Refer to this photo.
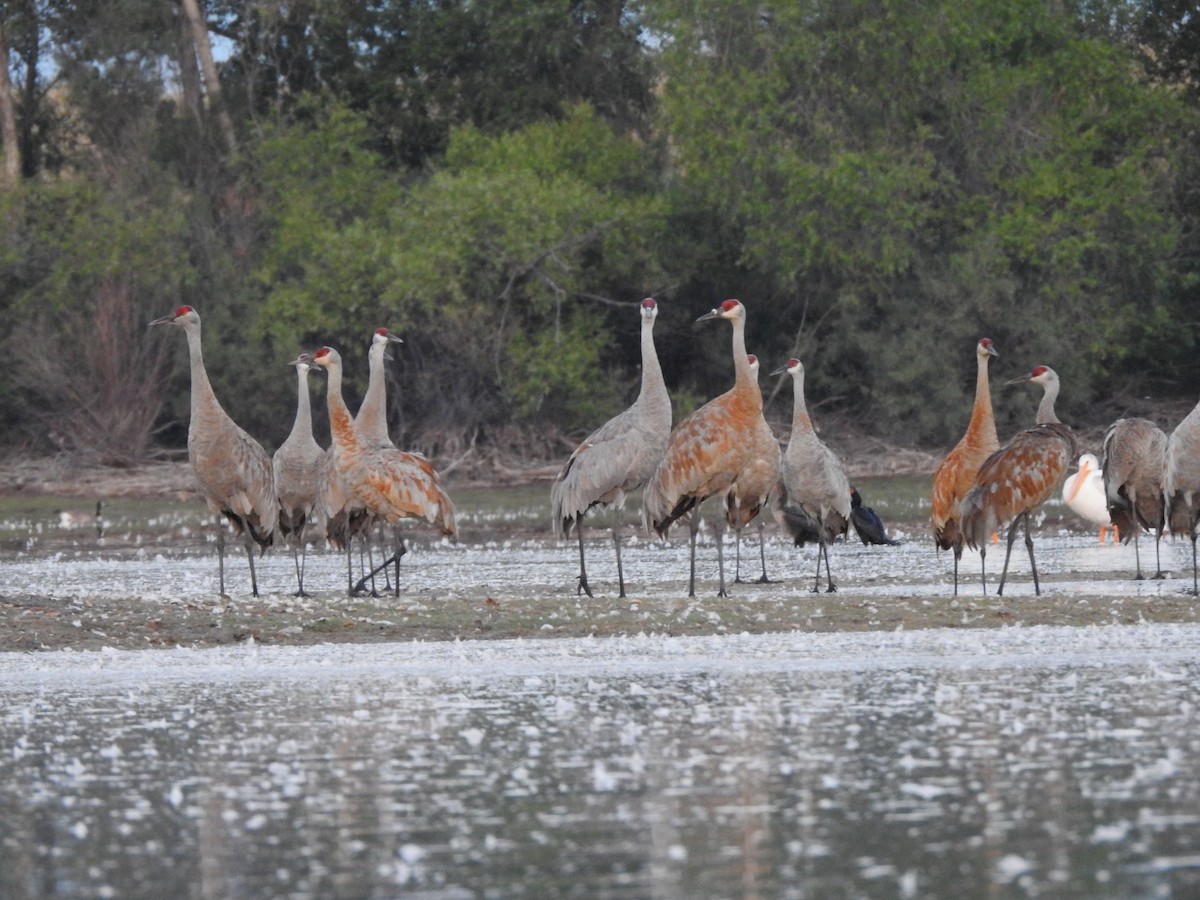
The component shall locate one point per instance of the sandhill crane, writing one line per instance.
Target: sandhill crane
(297, 466)
(348, 518)
(232, 468)
(708, 451)
(618, 457)
(391, 483)
(1134, 454)
(867, 523)
(751, 492)
(956, 473)
(1181, 481)
(1018, 478)
(814, 478)
(1083, 493)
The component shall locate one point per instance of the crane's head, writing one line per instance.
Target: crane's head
(985, 348)
(649, 309)
(326, 357)
(793, 367)
(730, 309)
(303, 362)
(753, 360)
(183, 316)
(1043, 375)
(383, 336)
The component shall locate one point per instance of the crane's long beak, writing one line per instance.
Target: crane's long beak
(992, 351)
(714, 314)
(164, 320)
(303, 358)
(780, 371)
(1021, 380)
(395, 338)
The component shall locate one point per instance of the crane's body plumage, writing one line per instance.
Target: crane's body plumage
(814, 478)
(1134, 459)
(233, 470)
(752, 490)
(296, 467)
(1019, 477)
(1181, 481)
(955, 474)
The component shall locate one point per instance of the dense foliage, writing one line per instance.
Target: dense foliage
(501, 183)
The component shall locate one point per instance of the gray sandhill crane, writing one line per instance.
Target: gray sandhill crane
(297, 468)
(391, 483)
(752, 491)
(1181, 481)
(955, 474)
(1018, 478)
(1134, 453)
(348, 517)
(707, 452)
(813, 476)
(233, 470)
(618, 457)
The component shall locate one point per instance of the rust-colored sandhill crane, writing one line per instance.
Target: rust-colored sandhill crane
(1135, 451)
(618, 457)
(392, 484)
(348, 517)
(1018, 478)
(233, 469)
(752, 491)
(956, 473)
(1181, 481)
(813, 476)
(297, 468)
(707, 452)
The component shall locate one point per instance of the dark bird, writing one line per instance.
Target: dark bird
(233, 470)
(618, 457)
(1135, 452)
(708, 451)
(1018, 478)
(813, 477)
(955, 474)
(1181, 481)
(867, 523)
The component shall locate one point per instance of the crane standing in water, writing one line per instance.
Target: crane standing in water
(707, 452)
(814, 478)
(1135, 452)
(752, 491)
(956, 473)
(618, 457)
(1181, 481)
(233, 470)
(1018, 478)
(297, 467)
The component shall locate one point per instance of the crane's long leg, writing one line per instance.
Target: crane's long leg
(830, 587)
(249, 541)
(720, 531)
(1157, 557)
(1037, 588)
(1194, 588)
(983, 566)
(583, 582)
(957, 551)
(620, 571)
(298, 557)
(737, 565)
(693, 527)
(221, 554)
(762, 553)
(1137, 553)
(1012, 536)
(820, 549)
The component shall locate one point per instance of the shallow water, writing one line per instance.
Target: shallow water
(1019, 762)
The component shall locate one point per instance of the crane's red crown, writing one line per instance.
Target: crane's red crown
(730, 304)
(986, 342)
(751, 358)
(181, 311)
(793, 362)
(1039, 370)
(323, 352)
(382, 332)
(648, 303)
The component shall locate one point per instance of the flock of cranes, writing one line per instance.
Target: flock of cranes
(725, 449)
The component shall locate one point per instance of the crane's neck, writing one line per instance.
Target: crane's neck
(801, 423)
(654, 389)
(303, 425)
(204, 401)
(983, 420)
(1045, 412)
(744, 384)
(341, 424)
(372, 414)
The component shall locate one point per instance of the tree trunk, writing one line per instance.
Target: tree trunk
(9, 141)
(191, 9)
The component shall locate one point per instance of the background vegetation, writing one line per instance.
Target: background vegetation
(503, 182)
